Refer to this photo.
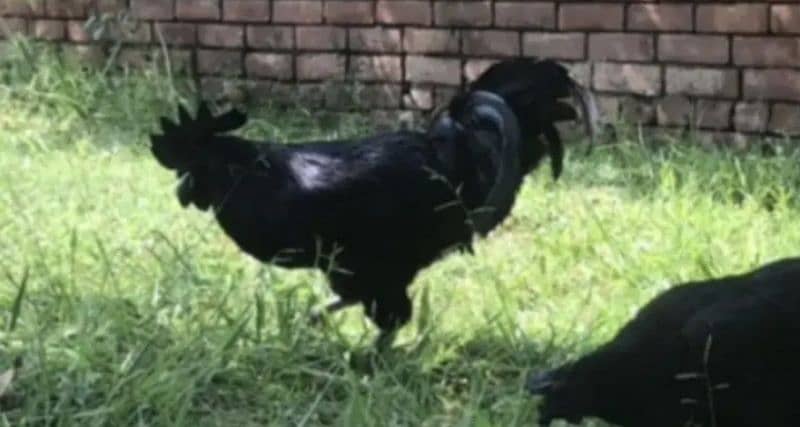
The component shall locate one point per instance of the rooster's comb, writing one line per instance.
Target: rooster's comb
(175, 146)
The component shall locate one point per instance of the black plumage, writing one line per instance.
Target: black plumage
(721, 352)
(380, 208)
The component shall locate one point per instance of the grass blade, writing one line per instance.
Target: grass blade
(16, 307)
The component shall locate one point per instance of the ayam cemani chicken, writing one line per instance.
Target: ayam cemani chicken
(377, 209)
(723, 352)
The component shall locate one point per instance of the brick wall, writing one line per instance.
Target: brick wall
(717, 65)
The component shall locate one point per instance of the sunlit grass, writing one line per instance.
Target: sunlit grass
(137, 312)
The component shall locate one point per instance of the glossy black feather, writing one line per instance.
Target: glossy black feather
(532, 88)
(742, 330)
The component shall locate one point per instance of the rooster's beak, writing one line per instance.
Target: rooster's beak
(185, 188)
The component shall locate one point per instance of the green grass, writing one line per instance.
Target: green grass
(127, 310)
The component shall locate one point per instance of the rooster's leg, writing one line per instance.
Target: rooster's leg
(385, 339)
(333, 307)
(389, 313)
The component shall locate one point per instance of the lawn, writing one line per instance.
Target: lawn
(125, 309)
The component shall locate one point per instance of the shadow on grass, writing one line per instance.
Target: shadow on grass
(115, 361)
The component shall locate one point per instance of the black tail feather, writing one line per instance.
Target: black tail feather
(184, 118)
(511, 104)
(533, 89)
(555, 148)
(484, 108)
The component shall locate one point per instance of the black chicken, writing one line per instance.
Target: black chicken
(721, 352)
(372, 212)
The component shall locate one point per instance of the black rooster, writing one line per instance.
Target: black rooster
(381, 208)
(721, 352)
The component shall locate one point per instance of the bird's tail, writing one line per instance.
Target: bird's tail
(536, 91)
(479, 134)
(497, 122)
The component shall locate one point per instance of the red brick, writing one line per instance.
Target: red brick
(245, 10)
(637, 110)
(443, 94)
(163, 10)
(348, 12)
(591, 16)
(85, 54)
(693, 49)
(418, 98)
(12, 26)
(475, 67)
(581, 72)
(375, 40)
(139, 34)
(342, 96)
(48, 29)
(608, 108)
(136, 58)
(203, 10)
(751, 116)
(466, 13)
(674, 111)
(278, 93)
(297, 11)
(321, 38)
(621, 47)
(22, 8)
(528, 15)
(180, 60)
(418, 40)
(76, 32)
(660, 17)
(734, 18)
(212, 87)
(734, 140)
(778, 84)
(785, 119)
(310, 94)
(269, 65)
(320, 66)
(109, 6)
(229, 90)
(491, 43)
(628, 78)
(785, 19)
(713, 114)
(177, 33)
(379, 96)
(702, 81)
(220, 35)
(377, 68)
(409, 12)
(767, 51)
(420, 69)
(219, 62)
(554, 45)
(67, 8)
(270, 37)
